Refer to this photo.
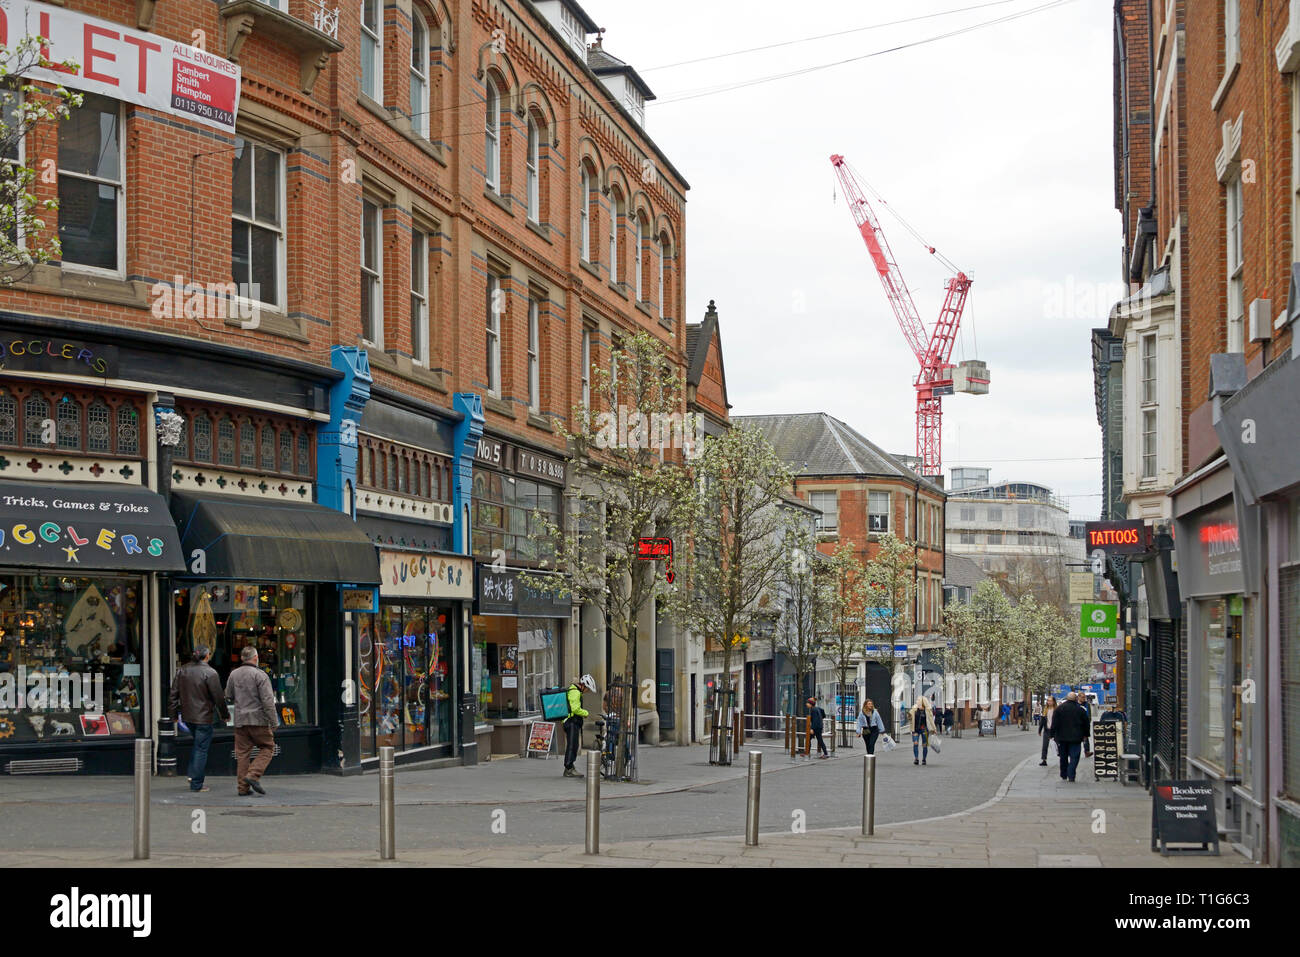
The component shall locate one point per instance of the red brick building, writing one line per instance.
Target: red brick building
(372, 286)
(1209, 393)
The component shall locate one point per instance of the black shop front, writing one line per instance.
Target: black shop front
(78, 570)
(276, 575)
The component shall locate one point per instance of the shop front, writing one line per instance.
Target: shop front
(78, 564)
(1257, 430)
(1222, 664)
(406, 655)
(518, 649)
(276, 575)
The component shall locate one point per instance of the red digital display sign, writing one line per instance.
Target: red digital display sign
(1117, 537)
(657, 549)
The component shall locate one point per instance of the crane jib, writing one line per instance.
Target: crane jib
(933, 348)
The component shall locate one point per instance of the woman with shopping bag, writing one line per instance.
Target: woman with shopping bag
(870, 725)
(921, 720)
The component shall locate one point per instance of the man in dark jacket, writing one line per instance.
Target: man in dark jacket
(248, 689)
(1069, 728)
(816, 717)
(196, 698)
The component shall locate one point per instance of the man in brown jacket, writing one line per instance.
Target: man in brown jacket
(248, 689)
(196, 698)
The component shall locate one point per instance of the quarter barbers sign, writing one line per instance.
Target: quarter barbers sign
(141, 68)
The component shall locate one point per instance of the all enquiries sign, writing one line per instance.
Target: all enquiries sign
(131, 65)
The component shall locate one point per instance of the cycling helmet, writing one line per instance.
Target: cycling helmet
(588, 682)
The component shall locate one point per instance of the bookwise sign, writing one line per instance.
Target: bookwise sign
(1182, 812)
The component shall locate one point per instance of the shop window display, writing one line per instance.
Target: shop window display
(71, 648)
(274, 618)
(514, 659)
(1213, 678)
(404, 677)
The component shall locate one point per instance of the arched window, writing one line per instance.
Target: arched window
(225, 442)
(492, 136)
(268, 449)
(419, 74)
(8, 419)
(663, 275)
(35, 411)
(584, 214)
(637, 252)
(534, 190)
(69, 423)
(202, 438)
(615, 211)
(128, 430)
(247, 446)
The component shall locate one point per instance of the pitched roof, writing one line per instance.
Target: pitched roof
(962, 571)
(820, 444)
(603, 64)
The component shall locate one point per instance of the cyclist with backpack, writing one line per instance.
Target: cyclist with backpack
(573, 723)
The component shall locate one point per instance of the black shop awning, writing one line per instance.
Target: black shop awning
(260, 540)
(82, 525)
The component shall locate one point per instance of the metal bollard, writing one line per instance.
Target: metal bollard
(869, 795)
(751, 798)
(593, 802)
(143, 772)
(387, 818)
(166, 748)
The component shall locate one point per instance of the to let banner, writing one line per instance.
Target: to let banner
(140, 68)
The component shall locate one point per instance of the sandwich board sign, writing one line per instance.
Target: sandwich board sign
(1182, 812)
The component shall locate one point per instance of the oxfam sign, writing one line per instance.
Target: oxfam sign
(1097, 621)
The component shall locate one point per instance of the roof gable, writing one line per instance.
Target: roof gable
(816, 443)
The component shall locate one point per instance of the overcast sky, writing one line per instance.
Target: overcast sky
(995, 145)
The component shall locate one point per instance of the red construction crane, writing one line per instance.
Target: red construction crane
(932, 350)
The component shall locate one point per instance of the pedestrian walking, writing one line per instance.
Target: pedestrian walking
(248, 689)
(816, 716)
(1045, 727)
(1087, 710)
(196, 699)
(573, 723)
(1006, 713)
(870, 725)
(1114, 713)
(1069, 728)
(948, 719)
(921, 719)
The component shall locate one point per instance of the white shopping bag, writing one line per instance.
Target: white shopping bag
(887, 742)
(934, 744)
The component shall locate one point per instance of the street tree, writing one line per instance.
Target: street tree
(846, 583)
(25, 242)
(890, 587)
(735, 540)
(807, 607)
(978, 633)
(631, 481)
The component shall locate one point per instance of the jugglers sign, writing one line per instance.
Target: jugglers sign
(140, 68)
(1117, 537)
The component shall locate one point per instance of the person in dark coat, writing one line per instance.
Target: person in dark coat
(815, 718)
(1069, 728)
(947, 720)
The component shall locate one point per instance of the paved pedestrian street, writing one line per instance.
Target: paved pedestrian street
(981, 802)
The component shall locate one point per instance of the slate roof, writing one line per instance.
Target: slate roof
(962, 572)
(816, 443)
(602, 64)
